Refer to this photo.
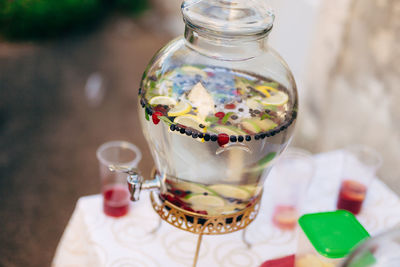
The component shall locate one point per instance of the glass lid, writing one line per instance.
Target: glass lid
(228, 17)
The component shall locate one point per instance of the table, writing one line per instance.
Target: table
(93, 239)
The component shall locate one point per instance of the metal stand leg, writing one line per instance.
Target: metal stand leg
(196, 255)
(248, 244)
(155, 230)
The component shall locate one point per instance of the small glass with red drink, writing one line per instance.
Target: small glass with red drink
(360, 164)
(291, 176)
(114, 188)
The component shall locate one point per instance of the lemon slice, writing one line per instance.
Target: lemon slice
(278, 99)
(229, 130)
(193, 70)
(191, 121)
(180, 109)
(230, 191)
(203, 202)
(162, 100)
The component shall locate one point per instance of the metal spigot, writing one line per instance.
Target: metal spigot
(136, 181)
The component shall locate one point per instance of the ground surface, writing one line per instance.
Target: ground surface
(49, 131)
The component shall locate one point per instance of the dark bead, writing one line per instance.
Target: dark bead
(256, 137)
(201, 135)
(188, 132)
(140, 91)
(233, 138)
(240, 138)
(234, 117)
(207, 137)
(273, 132)
(240, 109)
(214, 138)
(153, 78)
(262, 135)
(248, 137)
(165, 106)
(149, 111)
(267, 134)
(172, 127)
(201, 126)
(182, 130)
(195, 134)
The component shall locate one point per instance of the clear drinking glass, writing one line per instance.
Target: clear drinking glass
(360, 164)
(114, 188)
(380, 251)
(292, 175)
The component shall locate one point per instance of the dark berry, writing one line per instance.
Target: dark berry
(201, 126)
(195, 134)
(220, 114)
(161, 109)
(248, 137)
(223, 139)
(273, 132)
(140, 91)
(256, 137)
(201, 135)
(155, 117)
(240, 109)
(262, 135)
(234, 117)
(166, 106)
(172, 127)
(177, 128)
(207, 137)
(214, 138)
(188, 132)
(153, 78)
(233, 138)
(267, 134)
(149, 111)
(256, 111)
(182, 130)
(240, 138)
(205, 193)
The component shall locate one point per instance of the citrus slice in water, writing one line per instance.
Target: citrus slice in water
(191, 121)
(162, 100)
(277, 99)
(230, 191)
(229, 130)
(200, 201)
(180, 109)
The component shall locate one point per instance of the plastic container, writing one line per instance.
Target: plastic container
(326, 238)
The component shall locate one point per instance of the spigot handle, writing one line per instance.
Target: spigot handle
(136, 181)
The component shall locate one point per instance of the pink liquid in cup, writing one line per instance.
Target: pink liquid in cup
(285, 217)
(287, 261)
(116, 200)
(351, 196)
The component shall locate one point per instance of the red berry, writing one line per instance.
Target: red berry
(161, 109)
(155, 117)
(230, 106)
(223, 139)
(220, 114)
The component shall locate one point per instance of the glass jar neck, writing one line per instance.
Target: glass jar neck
(228, 48)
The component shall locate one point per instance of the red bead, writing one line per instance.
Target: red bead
(155, 117)
(220, 114)
(223, 139)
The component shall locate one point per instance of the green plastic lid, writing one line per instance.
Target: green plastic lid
(333, 234)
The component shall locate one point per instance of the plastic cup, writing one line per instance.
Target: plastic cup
(114, 188)
(379, 251)
(360, 164)
(326, 238)
(292, 176)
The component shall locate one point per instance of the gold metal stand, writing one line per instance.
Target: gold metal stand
(204, 224)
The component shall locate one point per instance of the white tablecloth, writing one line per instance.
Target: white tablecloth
(93, 239)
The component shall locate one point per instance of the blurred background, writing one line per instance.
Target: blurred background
(70, 70)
